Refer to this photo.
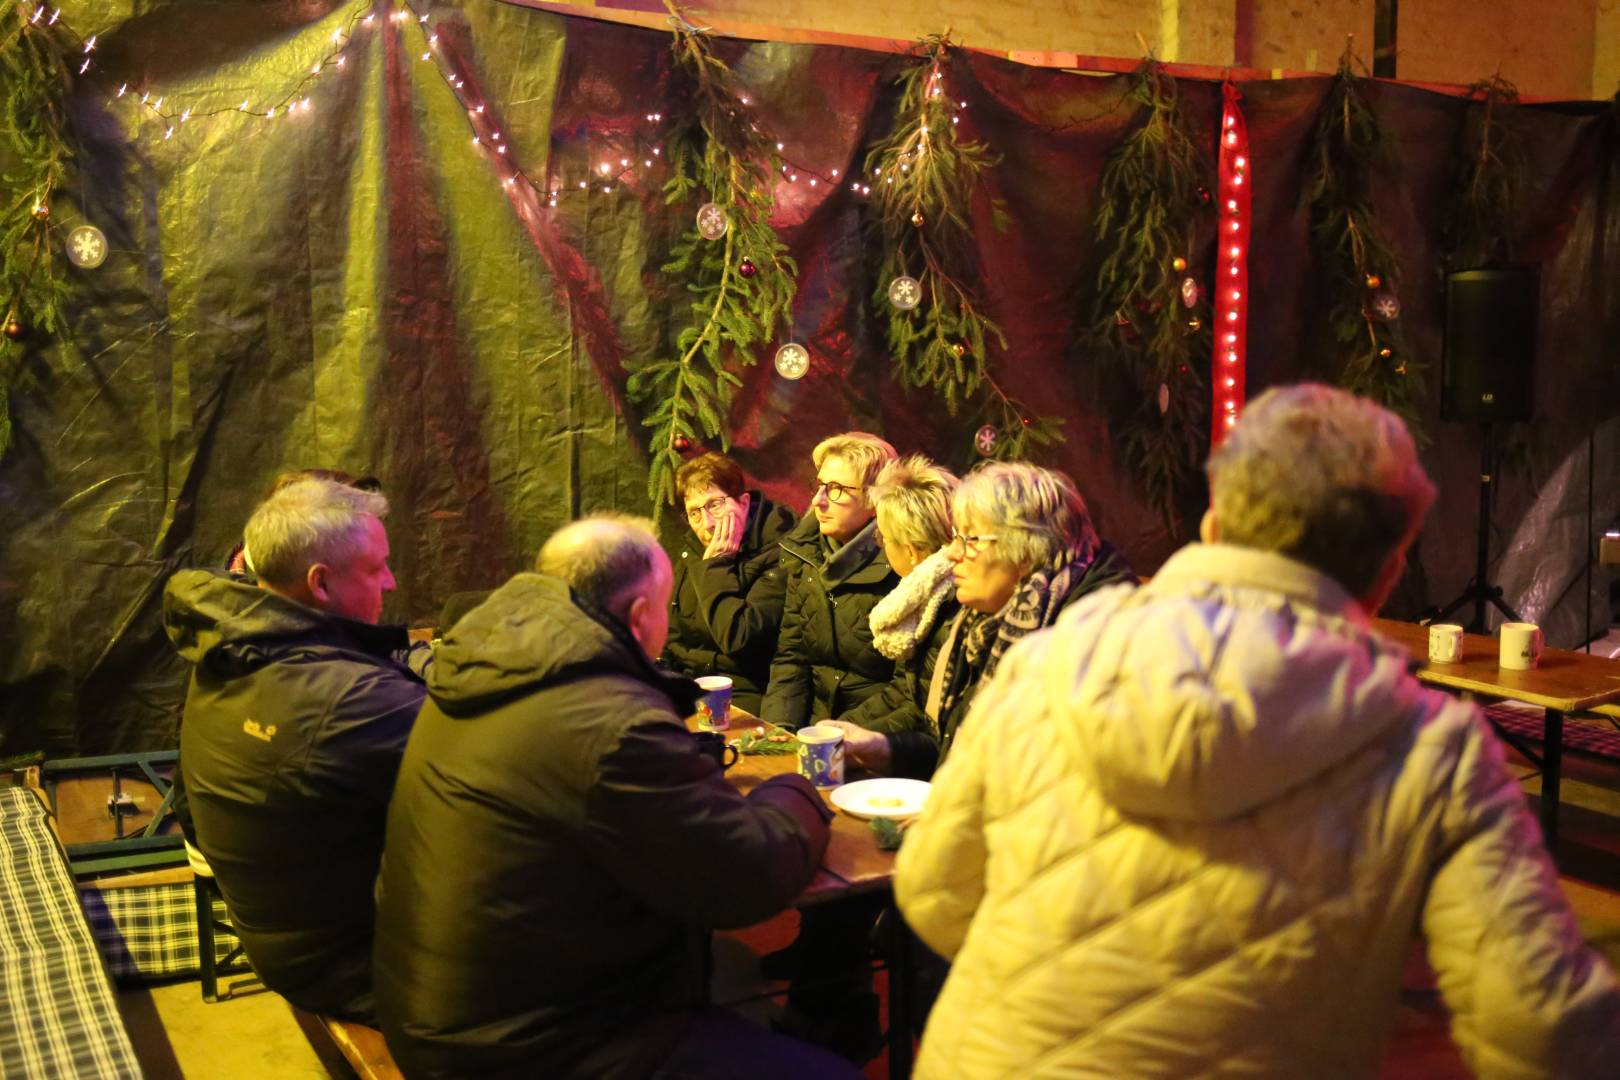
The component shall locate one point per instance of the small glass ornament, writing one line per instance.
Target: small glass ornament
(712, 222)
(1190, 292)
(1385, 306)
(87, 247)
(1164, 398)
(905, 292)
(986, 439)
(792, 360)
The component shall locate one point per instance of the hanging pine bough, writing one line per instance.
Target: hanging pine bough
(923, 181)
(1151, 319)
(36, 77)
(1485, 193)
(740, 277)
(1355, 267)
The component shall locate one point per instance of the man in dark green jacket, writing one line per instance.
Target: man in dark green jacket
(294, 724)
(558, 843)
(726, 608)
(826, 664)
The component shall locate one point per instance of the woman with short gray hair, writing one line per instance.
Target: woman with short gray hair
(1024, 549)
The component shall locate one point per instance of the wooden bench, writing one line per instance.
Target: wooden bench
(362, 1048)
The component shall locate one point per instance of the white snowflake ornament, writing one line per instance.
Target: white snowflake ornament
(986, 439)
(1385, 306)
(87, 247)
(792, 360)
(712, 222)
(905, 292)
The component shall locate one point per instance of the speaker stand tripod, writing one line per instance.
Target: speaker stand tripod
(1480, 591)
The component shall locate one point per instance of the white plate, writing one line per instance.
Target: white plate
(884, 797)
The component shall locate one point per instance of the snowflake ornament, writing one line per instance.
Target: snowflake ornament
(87, 247)
(792, 360)
(905, 292)
(1190, 292)
(1386, 306)
(986, 439)
(711, 221)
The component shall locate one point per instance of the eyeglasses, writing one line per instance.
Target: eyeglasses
(837, 494)
(972, 546)
(713, 508)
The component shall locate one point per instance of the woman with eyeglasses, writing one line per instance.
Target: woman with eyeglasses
(1024, 549)
(890, 733)
(725, 608)
(825, 661)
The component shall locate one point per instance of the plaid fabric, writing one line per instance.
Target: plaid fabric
(150, 932)
(57, 1012)
(1598, 738)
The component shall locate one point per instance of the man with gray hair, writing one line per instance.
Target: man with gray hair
(295, 721)
(1220, 805)
(559, 843)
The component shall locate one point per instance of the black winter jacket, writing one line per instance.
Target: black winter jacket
(725, 613)
(825, 662)
(294, 724)
(903, 713)
(556, 845)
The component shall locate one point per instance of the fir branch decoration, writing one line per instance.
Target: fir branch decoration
(1485, 196)
(36, 77)
(741, 284)
(1155, 187)
(925, 176)
(1356, 267)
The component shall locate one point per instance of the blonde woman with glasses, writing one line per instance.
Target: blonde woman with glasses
(826, 663)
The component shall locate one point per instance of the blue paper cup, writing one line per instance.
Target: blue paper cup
(714, 707)
(821, 755)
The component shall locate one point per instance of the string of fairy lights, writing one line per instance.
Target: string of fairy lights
(638, 160)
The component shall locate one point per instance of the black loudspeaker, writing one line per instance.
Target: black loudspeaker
(1490, 344)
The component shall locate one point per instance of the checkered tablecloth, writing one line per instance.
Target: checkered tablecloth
(150, 932)
(58, 1016)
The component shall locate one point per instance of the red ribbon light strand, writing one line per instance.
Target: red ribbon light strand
(1231, 284)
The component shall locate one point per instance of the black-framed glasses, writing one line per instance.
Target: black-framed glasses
(972, 546)
(714, 508)
(837, 493)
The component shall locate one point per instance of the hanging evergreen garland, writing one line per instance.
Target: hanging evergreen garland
(1485, 195)
(738, 272)
(924, 176)
(1358, 271)
(1151, 321)
(36, 78)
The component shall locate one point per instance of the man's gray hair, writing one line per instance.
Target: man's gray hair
(1037, 514)
(1322, 476)
(308, 522)
(602, 557)
(913, 501)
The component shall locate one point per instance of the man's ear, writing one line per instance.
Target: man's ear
(1209, 530)
(635, 616)
(315, 581)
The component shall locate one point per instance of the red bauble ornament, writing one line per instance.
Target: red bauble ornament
(1373, 281)
(1024, 420)
(681, 444)
(41, 211)
(15, 329)
(917, 219)
(959, 349)
(747, 268)
(1178, 264)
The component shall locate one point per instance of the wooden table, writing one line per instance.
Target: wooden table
(853, 865)
(1565, 682)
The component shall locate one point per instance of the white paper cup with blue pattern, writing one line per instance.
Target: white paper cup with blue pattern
(821, 755)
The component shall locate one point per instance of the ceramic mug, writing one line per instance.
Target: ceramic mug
(714, 745)
(1445, 643)
(1522, 645)
(714, 707)
(821, 755)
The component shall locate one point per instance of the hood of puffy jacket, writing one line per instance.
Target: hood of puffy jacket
(1233, 677)
(230, 627)
(534, 632)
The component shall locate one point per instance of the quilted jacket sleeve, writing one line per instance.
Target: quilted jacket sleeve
(1529, 998)
(939, 876)
(742, 605)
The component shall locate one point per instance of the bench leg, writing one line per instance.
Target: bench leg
(205, 939)
(1552, 775)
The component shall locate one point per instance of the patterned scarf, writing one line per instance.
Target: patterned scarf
(979, 641)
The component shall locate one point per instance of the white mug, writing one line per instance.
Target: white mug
(1445, 643)
(1522, 644)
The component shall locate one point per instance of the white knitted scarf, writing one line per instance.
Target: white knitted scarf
(901, 619)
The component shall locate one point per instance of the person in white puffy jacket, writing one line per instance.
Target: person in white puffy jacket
(1192, 829)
